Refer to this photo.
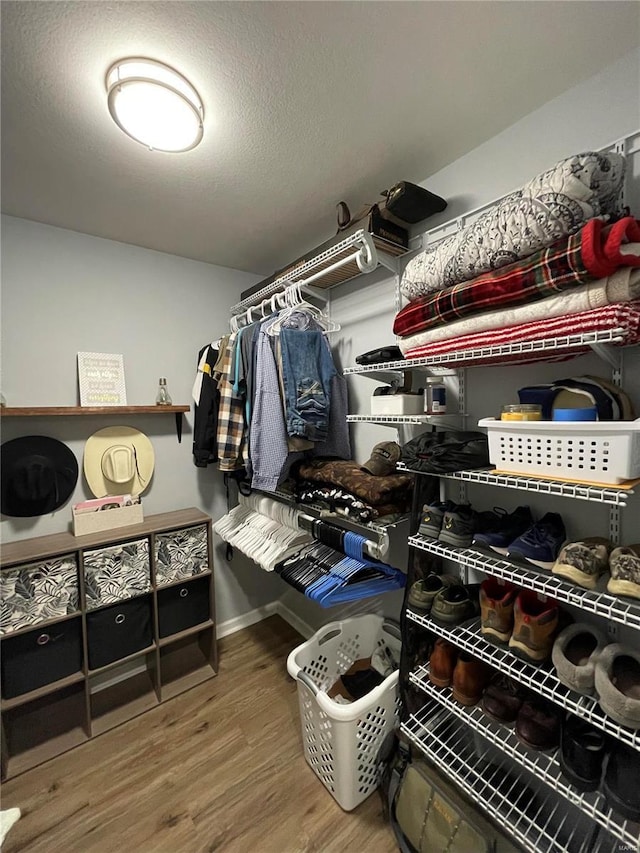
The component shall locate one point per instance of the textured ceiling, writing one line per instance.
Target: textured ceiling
(306, 103)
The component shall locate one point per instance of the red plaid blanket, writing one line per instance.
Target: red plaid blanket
(622, 315)
(592, 253)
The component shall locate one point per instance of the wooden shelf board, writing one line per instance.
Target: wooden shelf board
(187, 655)
(194, 629)
(57, 544)
(29, 758)
(187, 681)
(45, 690)
(122, 702)
(71, 411)
(119, 661)
(37, 626)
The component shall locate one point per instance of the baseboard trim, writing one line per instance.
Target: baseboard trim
(294, 620)
(230, 626)
(274, 608)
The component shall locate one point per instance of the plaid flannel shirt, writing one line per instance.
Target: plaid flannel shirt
(231, 422)
(591, 253)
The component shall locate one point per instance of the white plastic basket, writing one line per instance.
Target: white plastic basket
(605, 452)
(341, 742)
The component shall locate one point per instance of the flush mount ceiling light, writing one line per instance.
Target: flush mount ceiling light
(154, 105)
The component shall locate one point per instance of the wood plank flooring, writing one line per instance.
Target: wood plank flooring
(219, 768)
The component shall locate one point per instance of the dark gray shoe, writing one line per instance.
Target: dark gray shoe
(423, 592)
(432, 515)
(458, 525)
(456, 604)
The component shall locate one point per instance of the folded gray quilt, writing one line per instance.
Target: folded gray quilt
(554, 204)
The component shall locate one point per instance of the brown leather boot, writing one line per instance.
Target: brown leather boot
(442, 663)
(496, 609)
(535, 623)
(470, 677)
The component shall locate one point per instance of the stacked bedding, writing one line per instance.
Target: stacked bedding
(541, 255)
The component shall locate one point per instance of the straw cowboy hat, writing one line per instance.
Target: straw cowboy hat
(118, 460)
(39, 475)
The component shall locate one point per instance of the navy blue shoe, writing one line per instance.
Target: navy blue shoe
(541, 543)
(506, 531)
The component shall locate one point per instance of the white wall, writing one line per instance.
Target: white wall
(591, 115)
(64, 292)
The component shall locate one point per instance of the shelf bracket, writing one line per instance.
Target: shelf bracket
(610, 355)
(179, 426)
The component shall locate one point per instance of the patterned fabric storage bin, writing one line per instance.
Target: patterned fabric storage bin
(182, 606)
(38, 592)
(39, 657)
(181, 554)
(116, 573)
(115, 632)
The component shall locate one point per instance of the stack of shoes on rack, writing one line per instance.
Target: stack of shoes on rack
(541, 543)
(538, 724)
(448, 522)
(590, 760)
(586, 561)
(497, 599)
(523, 619)
(445, 599)
(461, 526)
(574, 655)
(537, 721)
(423, 591)
(624, 565)
(502, 699)
(535, 624)
(510, 527)
(585, 663)
(452, 667)
(456, 604)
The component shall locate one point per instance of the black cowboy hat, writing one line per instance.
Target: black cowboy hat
(38, 475)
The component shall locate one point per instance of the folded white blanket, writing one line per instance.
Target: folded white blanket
(622, 286)
(552, 205)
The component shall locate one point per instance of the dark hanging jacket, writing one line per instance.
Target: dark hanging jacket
(206, 409)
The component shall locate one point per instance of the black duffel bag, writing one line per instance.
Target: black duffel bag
(446, 451)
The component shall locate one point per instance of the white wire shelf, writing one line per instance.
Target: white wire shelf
(539, 678)
(359, 247)
(599, 602)
(543, 765)
(599, 494)
(429, 420)
(541, 823)
(492, 355)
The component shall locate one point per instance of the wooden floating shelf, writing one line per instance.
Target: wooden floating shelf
(40, 411)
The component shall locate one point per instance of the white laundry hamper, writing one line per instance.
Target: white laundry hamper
(341, 742)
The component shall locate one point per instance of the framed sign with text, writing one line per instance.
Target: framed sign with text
(101, 379)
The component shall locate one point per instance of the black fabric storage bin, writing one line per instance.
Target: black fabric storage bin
(183, 605)
(118, 631)
(47, 654)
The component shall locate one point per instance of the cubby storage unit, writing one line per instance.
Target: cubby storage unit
(98, 629)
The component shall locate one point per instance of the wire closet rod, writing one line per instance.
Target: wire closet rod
(370, 548)
(293, 295)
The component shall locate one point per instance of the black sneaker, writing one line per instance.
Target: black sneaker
(509, 528)
(458, 525)
(432, 516)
